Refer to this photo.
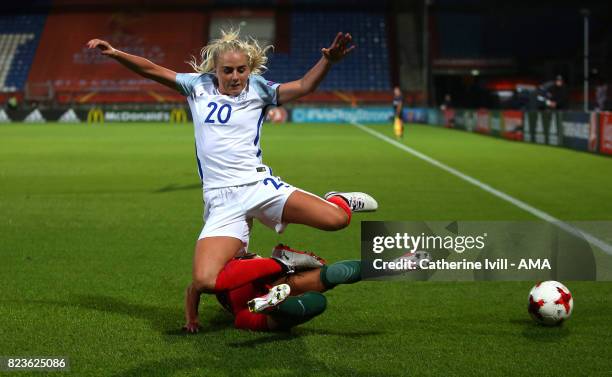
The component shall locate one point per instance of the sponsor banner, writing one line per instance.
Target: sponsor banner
(496, 123)
(470, 120)
(35, 116)
(512, 125)
(482, 122)
(434, 117)
(20, 115)
(465, 119)
(180, 115)
(576, 127)
(539, 131)
(4, 117)
(69, 116)
(460, 119)
(605, 135)
(136, 116)
(528, 120)
(420, 116)
(98, 115)
(93, 115)
(415, 115)
(61, 115)
(449, 118)
(277, 115)
(594, 133)
(479, 250)
(341, 114)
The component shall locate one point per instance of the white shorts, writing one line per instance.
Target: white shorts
(229, 211)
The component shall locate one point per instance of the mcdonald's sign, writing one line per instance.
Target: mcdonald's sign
(178, 115)
(95, 115)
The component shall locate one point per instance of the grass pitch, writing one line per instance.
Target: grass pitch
(98, 224)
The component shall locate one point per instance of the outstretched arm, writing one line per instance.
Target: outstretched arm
(336, 52)
(192, 301)
(142, 66)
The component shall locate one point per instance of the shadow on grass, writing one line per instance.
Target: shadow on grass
(174, 187)
(220, 362)
(163, 320)
(298, 332)
(219, 349)
(166, 321)
(275, 337)
(541, 333)
(344, 334)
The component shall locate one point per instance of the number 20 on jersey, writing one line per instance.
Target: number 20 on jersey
(218, 114)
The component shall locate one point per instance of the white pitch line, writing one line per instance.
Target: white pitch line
(502, 195)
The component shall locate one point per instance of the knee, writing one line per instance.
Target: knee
(203, 282)
(337, 220)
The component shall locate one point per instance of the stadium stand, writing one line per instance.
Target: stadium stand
(19, 36)
(366, 70)
(80, 75)
(66, 72)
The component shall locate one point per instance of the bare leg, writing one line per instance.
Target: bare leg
(307, 209)
(211, 254)
(307, 287)
(302, 282)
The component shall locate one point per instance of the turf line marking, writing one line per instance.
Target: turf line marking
(502, 195)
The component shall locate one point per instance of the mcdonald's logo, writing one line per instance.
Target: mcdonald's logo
(178, 116)
(95, 115)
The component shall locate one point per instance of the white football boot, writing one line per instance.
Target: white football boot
(357, 201)
(296, 260)
(275, 296)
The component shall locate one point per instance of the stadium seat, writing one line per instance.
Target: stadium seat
(367, 69)
(19, 36)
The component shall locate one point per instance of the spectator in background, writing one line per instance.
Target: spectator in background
(601, 96)
(398, 101)
(554, 94)
(13, 103)
(447, 103)
(398, 104)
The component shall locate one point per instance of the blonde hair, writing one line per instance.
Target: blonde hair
(230, 41)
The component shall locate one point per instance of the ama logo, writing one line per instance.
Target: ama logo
(539, 264)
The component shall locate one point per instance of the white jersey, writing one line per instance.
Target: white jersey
(228, 129)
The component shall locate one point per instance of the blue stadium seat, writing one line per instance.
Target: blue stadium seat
(366, 69)
(19, 37)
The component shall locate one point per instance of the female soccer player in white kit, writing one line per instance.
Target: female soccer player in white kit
(228, 100)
